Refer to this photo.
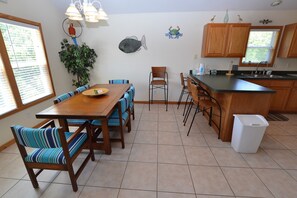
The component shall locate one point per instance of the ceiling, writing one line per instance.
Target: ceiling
(147, 6)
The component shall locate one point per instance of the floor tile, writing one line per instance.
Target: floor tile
(175, 195)
(142, 176)
(107, 174)
(25, 189)
(193, 140)
(149, 117)
(95, 192)
(146, 137)
(289, 142)
(61, 191)
(174, 178)
(165, 117)
(275, 130)
(278, 182)
(291, 129)
(244, 182)
(260, 160)
(15, 169)
(169, 138)
(144, 153)
(284, 158)
(209, 180)
(129, 137)
(228, 157)
(6, 184)
(171, 154)
(210, 196)
(137, 194)
(269, 143)
(118, 153)
(64, 178)
(147, 126)
(213, 141)
(200, 156)
(293, 173)
(45, 175)
(168, 126)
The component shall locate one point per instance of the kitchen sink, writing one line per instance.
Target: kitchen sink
(262, 76)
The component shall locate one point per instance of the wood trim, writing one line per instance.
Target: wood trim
(9, 71)
(277, 43)
(7, 144)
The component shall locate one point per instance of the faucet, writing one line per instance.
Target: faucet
(261, 63)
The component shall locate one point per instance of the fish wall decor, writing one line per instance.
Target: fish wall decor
(174, 33)
(132, 44)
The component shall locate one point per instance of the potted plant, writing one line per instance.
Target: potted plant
(78, 60)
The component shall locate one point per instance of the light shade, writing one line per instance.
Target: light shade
(77, 10)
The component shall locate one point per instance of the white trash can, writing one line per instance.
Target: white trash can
(248, 131)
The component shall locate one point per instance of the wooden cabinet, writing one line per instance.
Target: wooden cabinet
(285, 98)
(225, 40)
(288, 46)
(291, 105)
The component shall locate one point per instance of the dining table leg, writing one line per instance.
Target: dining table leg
(106, 139)
(64, 124)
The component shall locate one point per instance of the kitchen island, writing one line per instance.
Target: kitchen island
(235, 96)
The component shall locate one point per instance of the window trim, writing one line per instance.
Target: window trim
(11, 79)
(241, 64)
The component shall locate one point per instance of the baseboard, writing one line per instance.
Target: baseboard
(7, 144)
(12, 141)
(157, 102)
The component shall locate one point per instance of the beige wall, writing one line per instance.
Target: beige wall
(50, 19)
(179, 55)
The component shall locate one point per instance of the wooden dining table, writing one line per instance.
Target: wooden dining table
(81, 106)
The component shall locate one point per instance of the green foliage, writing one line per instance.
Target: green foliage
(78, 61)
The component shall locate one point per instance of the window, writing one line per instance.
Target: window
(262, 46)
(24, 71)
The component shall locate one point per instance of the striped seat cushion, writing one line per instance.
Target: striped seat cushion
(37, 138)
(76, 121)
(119, 81)
(56, 155)
(82, 88)
(113, 120)
(64, 96)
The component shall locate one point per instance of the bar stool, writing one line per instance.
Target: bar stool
(184, 89)
(158, 79)
(205, 103)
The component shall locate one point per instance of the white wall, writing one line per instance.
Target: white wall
(50, 19)
(177, 54)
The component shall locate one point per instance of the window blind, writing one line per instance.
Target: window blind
(7, 102)
(28, 61)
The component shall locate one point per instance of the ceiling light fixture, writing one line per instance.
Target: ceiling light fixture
(276, 3)
(77, 10)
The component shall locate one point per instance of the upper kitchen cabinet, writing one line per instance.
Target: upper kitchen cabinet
(288, 47)
(225, 40)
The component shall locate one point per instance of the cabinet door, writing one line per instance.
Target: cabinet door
(279, 99)
(214, 40)
(288, 47)
(238, 35)
(292, 101)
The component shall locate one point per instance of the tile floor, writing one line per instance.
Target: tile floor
(160, 161)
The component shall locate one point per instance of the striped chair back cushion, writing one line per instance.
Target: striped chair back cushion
(125, 102)
(132, 88)
(64, 96)
(130, 93)
(119, 81)
(37, 138)
(82, 88)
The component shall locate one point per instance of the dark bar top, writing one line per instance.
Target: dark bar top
(222, 83)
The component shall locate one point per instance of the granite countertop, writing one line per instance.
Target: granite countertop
(223, 83)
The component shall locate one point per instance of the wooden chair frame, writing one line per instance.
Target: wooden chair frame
(158, 79)
(184, 89)
(69, 160)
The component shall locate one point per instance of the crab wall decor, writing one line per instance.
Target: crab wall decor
(174, 33)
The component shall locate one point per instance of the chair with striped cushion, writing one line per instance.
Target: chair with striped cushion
(119, 81)
(131, 93)
(82, 88)
(65, 96)
(120, 118)
(54, 149)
